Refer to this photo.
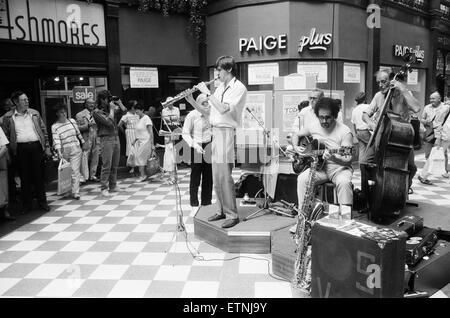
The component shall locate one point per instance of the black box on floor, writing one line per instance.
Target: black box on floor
(432, 274)
(410, 224)
(419, 245)
(283, 253)
(345, 265)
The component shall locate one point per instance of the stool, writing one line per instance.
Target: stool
(324, 189)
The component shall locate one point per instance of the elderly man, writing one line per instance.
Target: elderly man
(433, 116)
(197, 134)
(402, 103)
(28, 141)
(88, 129)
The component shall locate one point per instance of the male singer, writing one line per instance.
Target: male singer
(227, 103)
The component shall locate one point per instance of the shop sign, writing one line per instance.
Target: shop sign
(261, 43)
(144, 77)
(401, 50)
(315, 41)
(81, 93)
(53, 21)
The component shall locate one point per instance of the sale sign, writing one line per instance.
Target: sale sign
(81, 93)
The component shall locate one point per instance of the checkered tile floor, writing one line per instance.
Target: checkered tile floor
(128, 246)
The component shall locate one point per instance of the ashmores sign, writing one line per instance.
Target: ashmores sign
(401, 50)
(53, 21)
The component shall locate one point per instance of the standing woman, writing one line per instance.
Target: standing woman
(129, 120)
(68, 142)
(144, 146)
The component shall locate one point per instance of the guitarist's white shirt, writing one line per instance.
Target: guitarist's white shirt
(332, 139)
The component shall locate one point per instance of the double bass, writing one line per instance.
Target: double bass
(393, 139)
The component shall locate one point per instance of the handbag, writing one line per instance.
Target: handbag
(64, 177)
(152, 166)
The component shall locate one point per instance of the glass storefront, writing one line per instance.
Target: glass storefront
(60, 89)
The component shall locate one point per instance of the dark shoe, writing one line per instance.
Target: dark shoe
(230, 223)
(25, 210)
(216, 217)
(205, 204)
(44, 207)
(194, 204)
(425, 181)
(8, 217)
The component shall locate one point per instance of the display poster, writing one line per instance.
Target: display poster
(319, 69)
(297, 81)
(413, 77)
(260, 74)
(144, 77)
(290, 110)
(256, 104)
(352, 73)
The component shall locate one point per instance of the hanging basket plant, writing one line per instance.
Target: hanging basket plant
(191, 7)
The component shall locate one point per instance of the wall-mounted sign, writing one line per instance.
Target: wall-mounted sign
(401, 50)
(53, 21)
(318, 69)
(413, 77)
(144, 77)
(261, 43)
(352, 73)
(81, 93)
(315, 41)
(262, 73)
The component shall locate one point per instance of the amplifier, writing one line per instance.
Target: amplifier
(410, 224)
(419, 245)
(348, 263)
(433, 273)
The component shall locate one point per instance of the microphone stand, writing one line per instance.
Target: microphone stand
(266, 133)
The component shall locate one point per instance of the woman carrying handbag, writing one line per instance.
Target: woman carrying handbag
(68, 142)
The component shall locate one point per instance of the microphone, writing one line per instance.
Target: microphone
(247, 109)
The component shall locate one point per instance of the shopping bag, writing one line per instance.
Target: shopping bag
(437, 161)
(152, 166)
(64, 177)
(131, 160)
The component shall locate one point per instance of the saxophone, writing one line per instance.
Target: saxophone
(302, 236)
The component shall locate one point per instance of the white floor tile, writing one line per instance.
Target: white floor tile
(162, 237)
(273, 290)
(109, 272)
(173, 273)
(131, 202)
(94, 258)
(7, 283)
(144, 207)
(210, 259)
(130, 288)
(78, 214)
(118, 213)
(17, 236)
(130, 247)
(26, 246)
(46, 220)
(160, 213)
(88, 220)
(100, 228)
(131, 220)
(56, 227)
(149, 259)
(67, 208)
(146, 228)
(252, 266)
(61, 288)
(78, 246)
(96, 202)
(35, 257)
(48, 271)
(114, 236)
(200, 289)
(65, 236)
(106, 207)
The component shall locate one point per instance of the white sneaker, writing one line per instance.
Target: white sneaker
(106, 193)
(446, 175)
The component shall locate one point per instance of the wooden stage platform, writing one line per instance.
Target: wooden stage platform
(251, 236)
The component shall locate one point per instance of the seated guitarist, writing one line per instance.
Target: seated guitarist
(336, 168)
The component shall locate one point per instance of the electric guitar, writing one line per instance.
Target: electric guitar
(313, 148)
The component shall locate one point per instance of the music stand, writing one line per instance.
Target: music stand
(275, 143)
(171, 133)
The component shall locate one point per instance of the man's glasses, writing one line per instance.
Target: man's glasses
(313, 98)
(325, 118)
